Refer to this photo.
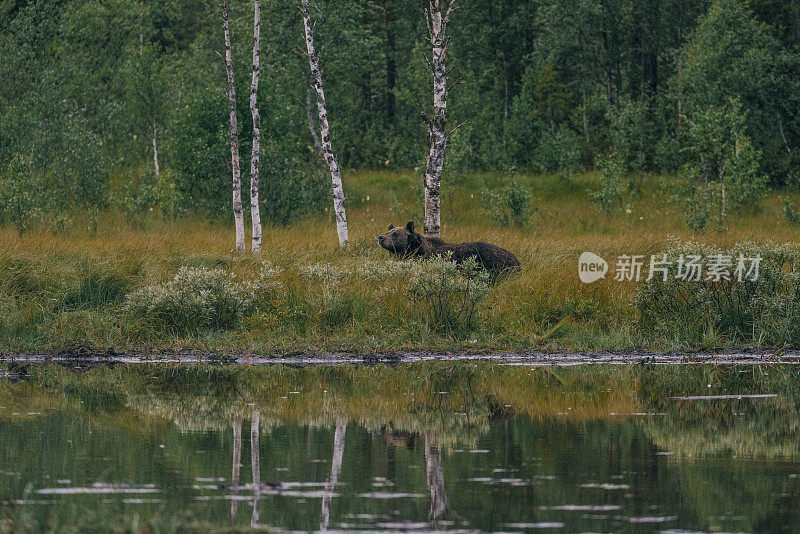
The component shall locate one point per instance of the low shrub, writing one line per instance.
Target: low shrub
(449, 295)
(198, 298)
(510, 205)
(765, 310)
(791, 215)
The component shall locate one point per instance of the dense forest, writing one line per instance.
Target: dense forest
(708, 92)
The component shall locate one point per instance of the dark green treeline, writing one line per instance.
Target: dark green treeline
(546, 86)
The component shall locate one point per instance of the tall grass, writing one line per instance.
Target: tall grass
(56, 289)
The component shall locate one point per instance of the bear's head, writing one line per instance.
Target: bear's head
(401, 241)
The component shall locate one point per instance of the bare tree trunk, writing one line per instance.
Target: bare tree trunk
(336, 468)
(255, 464)
(255, 211)
(237, 463)
(435, 477)
(327, 149)
(238, 216)
(437, 136)
(155, 152)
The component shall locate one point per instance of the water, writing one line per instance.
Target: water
(460, 447)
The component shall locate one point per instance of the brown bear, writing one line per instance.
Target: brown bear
(407, 242)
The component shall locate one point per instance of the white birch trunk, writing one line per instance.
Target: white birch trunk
(155, 152)
(255, 211)
(255, 464)
(435, 477)
(336, 468)
(237, 463)
(437, 136)
(327, 150)
(238, 215)
(312, 127)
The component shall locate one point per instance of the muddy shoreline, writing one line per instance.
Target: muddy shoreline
(527, 358)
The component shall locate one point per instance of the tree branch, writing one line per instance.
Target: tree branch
(428, 61)
(459, 80)
(452, 8)
(456, 128)
(422, 112)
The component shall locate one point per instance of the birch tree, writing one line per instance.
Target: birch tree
(325, 137)
(336, 469)
(237, 463)
(255, 462)
(436, 17)
(312, 126)
(238, 215)
(435, 477)
(255, 212)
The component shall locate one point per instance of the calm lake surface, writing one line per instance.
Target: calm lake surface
(460, 447)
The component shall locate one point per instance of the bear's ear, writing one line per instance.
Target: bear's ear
(410, 227)
(391, 226)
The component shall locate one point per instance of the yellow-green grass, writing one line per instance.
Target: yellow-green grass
(544, 306)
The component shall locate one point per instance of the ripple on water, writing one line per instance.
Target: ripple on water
(536, 525)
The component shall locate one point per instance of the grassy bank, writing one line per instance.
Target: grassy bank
(72, 287)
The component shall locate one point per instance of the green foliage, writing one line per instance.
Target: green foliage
(510, 205)
(199, 298)
(791, 215)
(150, 195)
(291, 188)
(202, 154)
(731, 55)
(722, 166)
(630, 134)
(609, 195)
(195, 299)
(20, 201)
(449, 295)
(761, 311)
(97, 286)
(547, 86)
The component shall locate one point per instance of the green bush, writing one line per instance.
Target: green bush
(20, 197)
(195, 299)
(202, 154)
(609, 195)
(148, 195)
(764, 311)
(449, 295)
(198, 298)
(790, 214)
(510, 205)
(722, 166)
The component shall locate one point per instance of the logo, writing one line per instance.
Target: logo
(591, 267)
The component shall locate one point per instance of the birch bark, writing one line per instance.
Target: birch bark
(436, 18)
(237, 464)
(155, 152)
(312, 127)
(327, 150)
(255, 211)
(238, 215)
(255, 465)
(435, 477)
(336, 468)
